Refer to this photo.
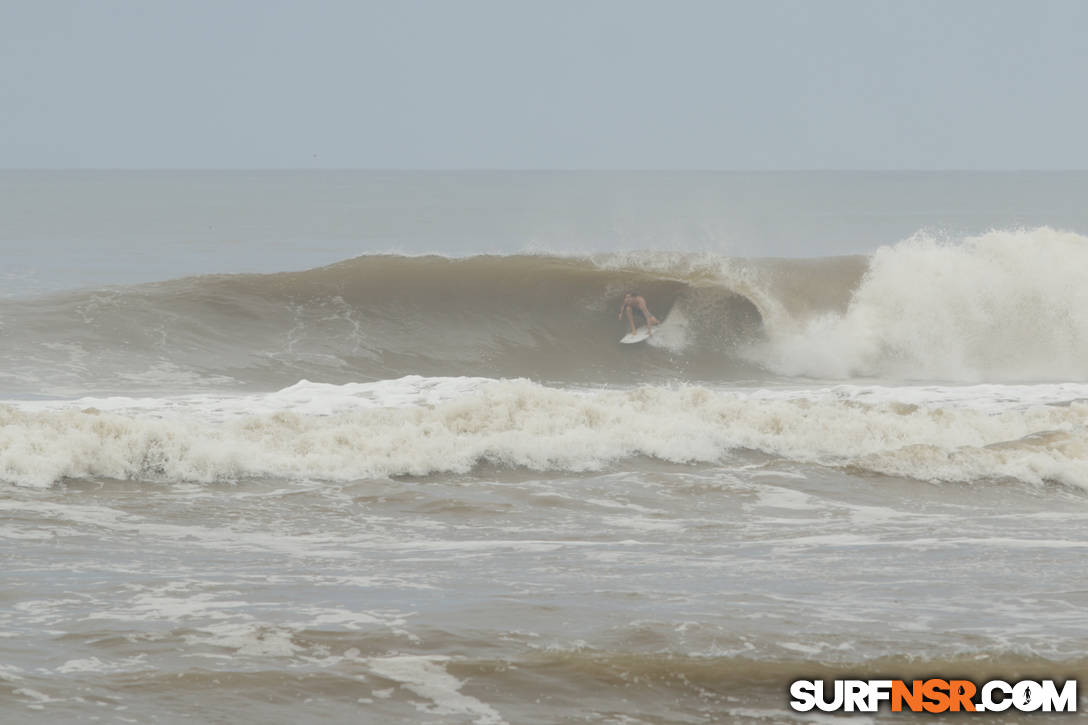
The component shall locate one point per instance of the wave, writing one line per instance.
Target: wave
(1005, 306)
(420, 426)
(382, 317)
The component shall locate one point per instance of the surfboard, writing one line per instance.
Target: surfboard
(637, 336)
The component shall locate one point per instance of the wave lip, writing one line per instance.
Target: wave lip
(421, 426)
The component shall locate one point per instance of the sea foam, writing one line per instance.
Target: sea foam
(1004, 306)
(419, 426)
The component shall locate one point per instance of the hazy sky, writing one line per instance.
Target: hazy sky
(675, 84)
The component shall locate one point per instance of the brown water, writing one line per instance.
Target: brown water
(652, 592)
(397, 488)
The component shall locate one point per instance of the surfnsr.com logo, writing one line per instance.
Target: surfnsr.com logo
(933, 695)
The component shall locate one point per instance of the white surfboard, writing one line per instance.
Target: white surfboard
(637, 336)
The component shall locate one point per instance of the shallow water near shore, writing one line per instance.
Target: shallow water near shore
(663, 593)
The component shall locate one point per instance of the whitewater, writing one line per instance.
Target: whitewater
(394, 465)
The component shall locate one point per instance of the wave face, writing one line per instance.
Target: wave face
(1003, 307)
(380, 317)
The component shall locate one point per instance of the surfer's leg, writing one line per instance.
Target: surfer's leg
(631, 319)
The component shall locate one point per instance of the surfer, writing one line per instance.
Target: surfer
(634, 301)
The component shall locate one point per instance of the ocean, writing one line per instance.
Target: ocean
(364, 447)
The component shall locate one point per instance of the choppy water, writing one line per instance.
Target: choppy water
(404, 488)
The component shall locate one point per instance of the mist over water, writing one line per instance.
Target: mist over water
(350, 446)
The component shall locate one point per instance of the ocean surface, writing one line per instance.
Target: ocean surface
(364, 447)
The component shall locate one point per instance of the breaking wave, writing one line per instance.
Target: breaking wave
(419, 426)
(1006, 306)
